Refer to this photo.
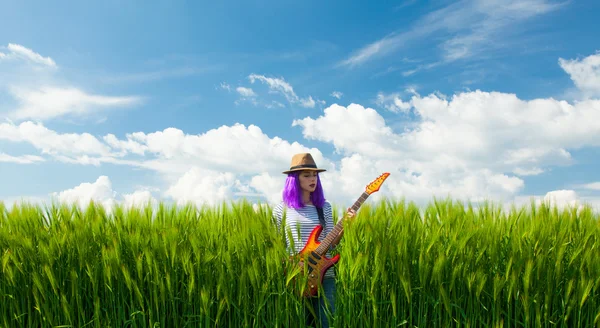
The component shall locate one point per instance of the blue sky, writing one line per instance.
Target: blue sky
(207, 101)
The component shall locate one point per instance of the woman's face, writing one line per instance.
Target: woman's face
(308, 180)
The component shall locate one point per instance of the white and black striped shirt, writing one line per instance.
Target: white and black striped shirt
(301, 223)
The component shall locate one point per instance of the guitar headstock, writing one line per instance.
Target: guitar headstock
(374, 186)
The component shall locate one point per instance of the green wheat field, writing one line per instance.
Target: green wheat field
(447, 264)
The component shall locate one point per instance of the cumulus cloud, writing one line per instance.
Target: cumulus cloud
(363, 130)
(51, 142)
(242, 151)
(99, 191)
(234, 148)
(203, 187)
(102, 192)
(469, 146)
(125, 146)
(9, 202)
(139, 198)
(473, 145)
(561, 199)
(226, 162)
(393, 103)
(585, 73)
(268, 185)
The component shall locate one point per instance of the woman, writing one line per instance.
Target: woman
(302, 194)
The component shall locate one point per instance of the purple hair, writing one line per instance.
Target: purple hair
(292, 193)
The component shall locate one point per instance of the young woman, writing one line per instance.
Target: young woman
(302, 194)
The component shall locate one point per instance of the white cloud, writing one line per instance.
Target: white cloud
(393, 103)
(363, 130)
(268, 185)
(307, 102)
(179, 157)
(561, 199)
(139, 198)
(469, 146)
(467, 27)
(431, 159)
(51, 142)
(202, 187)
(50, 102)
(591, 186)
(37, 90)
(225, 86)
(464, 146)
(585, 73)
(526, 172)
(17, 51)
(234, 148)
(279, 85)
(276, 85)
(337, 94)
(274, 104)
(25, 159)
(405, 3)
(33, 200)
(245, 92)
(125, 146)
(99, 191)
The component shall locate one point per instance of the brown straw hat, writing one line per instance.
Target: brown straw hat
(303, 161)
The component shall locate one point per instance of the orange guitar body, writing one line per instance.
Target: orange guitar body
(316, 265)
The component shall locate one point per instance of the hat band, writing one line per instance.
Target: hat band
(309, 166)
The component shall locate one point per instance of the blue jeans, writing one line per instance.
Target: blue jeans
(324, 303)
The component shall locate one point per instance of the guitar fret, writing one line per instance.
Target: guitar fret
(337, 229)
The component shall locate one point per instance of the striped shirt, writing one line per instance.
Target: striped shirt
(301, 223)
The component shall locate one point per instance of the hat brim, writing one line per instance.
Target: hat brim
(304, 169)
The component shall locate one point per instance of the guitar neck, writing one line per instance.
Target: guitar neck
(332, 239)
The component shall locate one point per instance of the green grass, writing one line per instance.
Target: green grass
(443, 265)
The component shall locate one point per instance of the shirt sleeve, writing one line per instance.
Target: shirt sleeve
(328, 213)
(278, 214)
(278, 220)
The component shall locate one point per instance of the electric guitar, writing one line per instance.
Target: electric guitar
(313, 253)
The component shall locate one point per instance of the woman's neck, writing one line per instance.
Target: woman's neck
(306, 198)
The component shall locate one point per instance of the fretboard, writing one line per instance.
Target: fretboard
(330, 239)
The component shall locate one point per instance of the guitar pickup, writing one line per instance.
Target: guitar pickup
(315, 255)
(311, 260)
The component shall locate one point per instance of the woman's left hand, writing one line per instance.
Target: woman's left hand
(350, 213)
